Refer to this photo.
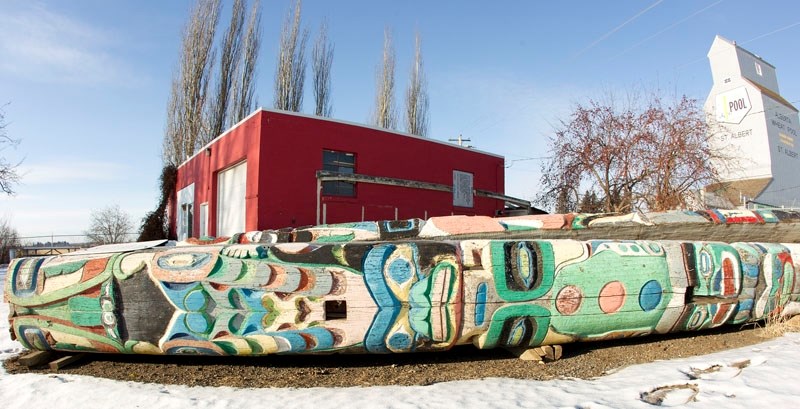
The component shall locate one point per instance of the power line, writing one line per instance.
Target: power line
(758, 37)
(780, 190)
(670, 27)
(615, 29)
(511, 162)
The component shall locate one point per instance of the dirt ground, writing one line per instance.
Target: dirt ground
(584, 360)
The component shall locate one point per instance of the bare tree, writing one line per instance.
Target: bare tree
(384, 115)
(417, 95)
(9, 239)
(186, 120)
(590, 148)
(291, 70)
(229, 58)
(679, 153)
(109, 225)
(649, 157)
(321, 61)
(9, 177)
(243, 89)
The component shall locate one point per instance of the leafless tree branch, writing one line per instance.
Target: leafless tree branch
(186, 121)
(109, 225)
(9, 177)
(230, 58)
(636, 157)
(384, 115)
(291, 69)
(9, 238)
(417, 95)
(322, 60)
(243, 90)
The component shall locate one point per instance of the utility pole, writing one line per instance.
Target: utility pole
(461, 140)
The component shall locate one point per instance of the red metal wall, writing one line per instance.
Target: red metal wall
(284, 152)
(238, 144)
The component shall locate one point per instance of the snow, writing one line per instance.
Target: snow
(764, 375)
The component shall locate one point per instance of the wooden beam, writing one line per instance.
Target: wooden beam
(544, 353)
(35, 358)
(326, 176)
(65, 361)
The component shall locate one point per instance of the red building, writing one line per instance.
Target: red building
(279, 169)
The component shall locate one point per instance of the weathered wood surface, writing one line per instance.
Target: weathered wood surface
(413, 285)
(65, 361)
(769, 226)
(544, 353)
(35, 358)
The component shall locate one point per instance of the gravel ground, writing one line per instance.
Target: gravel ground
(584, 360)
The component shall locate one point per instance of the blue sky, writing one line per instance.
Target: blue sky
(86, 81)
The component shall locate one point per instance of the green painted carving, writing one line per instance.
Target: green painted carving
(408, 287)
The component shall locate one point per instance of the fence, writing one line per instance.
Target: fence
(53, 244)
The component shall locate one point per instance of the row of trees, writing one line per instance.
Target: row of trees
(108, 225)
(291, 69)
(9, 177)
(213, 86)
(416, 102)
(209, 94)
(645, 154)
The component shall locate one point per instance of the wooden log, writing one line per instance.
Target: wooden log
(490, 285)
(552, 352)
(527, 354)
(35, 358)
(544, 353)
(65, 361)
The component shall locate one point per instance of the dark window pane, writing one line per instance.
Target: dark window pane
(338, 162)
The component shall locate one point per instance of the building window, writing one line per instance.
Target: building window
(758, 69)
(185, 215)
(338, 162)
(463, 189)
(187, 218)
(204, 219)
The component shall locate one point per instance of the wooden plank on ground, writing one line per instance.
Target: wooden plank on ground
(35, 358)
(64, 361)
(544, 353)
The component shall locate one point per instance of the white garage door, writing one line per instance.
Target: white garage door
(231, 189)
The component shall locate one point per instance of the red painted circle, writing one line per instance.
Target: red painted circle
(612, 297)
(568, 300)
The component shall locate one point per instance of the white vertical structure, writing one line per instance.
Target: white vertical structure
(758, 126)
(185, 212)
(203, 220)
(231, 190)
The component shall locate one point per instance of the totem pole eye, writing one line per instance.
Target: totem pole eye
(400, 270)
(517, 331)
(522, 266)
(705, 263)
(526, 268)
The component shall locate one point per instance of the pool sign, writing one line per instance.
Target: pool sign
(732, 106)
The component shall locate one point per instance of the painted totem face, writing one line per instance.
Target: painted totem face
(234, 303)
(76, 300)
(714, 271)
(416, 288)
(561, 290)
